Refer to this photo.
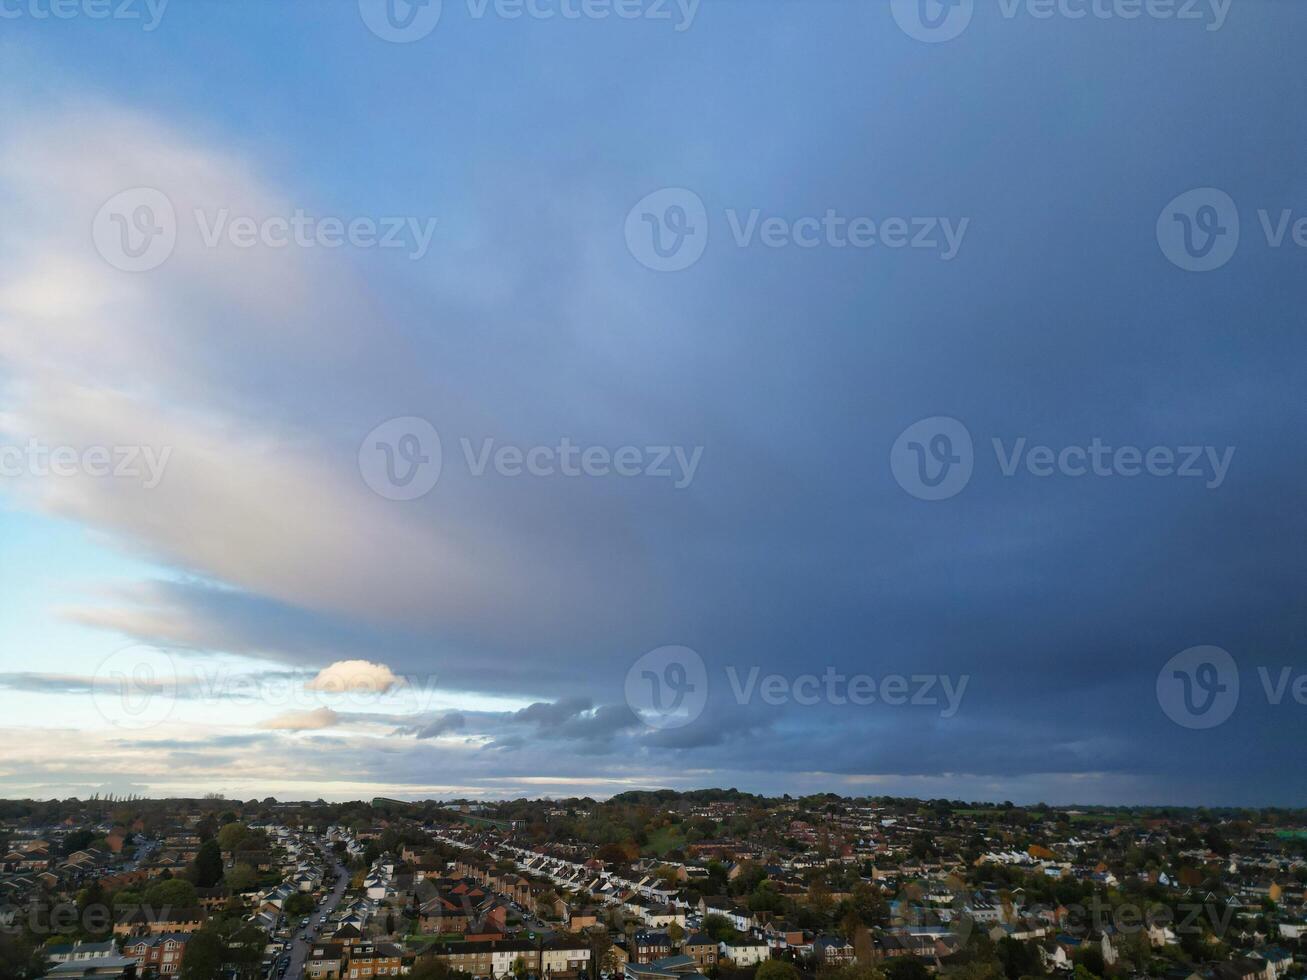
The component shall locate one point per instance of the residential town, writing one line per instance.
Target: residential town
(647, 886)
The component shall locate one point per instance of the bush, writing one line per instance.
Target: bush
(777, 970)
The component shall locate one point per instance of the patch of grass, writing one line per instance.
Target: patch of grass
(664, 839)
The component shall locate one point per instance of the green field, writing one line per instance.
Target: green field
(664, 839)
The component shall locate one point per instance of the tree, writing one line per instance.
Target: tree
(978, 969)
(819, 897)
(245, 944)
(208, 864)
(207, 827)
(618, 853)
(234, 836)
(92, 894)
(854, 971)
(603, 954)
(1019, 959)
(766, 898)
(850, 925)
(19, 957)
(127, 899)
(221, 944)
(906, 968)
(864, 950)
(241, 878)
(777, 970)
(1090, 955)
(432, 968)
(204, 956)
(171, 893)
(869, 902)
(750, 875)
(923, 848)
(78, 840)
(719, 927)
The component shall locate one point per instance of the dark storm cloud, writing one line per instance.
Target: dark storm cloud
(548, 715)
(450, 721)
(794, 549)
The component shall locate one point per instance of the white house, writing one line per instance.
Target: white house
(745, 952)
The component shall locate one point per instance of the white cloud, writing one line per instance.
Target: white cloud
(260, 370)
(354, 675)
(302, 721)
(261, 493)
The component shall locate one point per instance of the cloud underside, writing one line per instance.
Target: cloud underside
(260, 371)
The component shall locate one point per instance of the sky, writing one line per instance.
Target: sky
(558, 398)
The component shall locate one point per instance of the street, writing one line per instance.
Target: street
(300, 947)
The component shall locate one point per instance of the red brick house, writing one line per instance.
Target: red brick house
(157, 955)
